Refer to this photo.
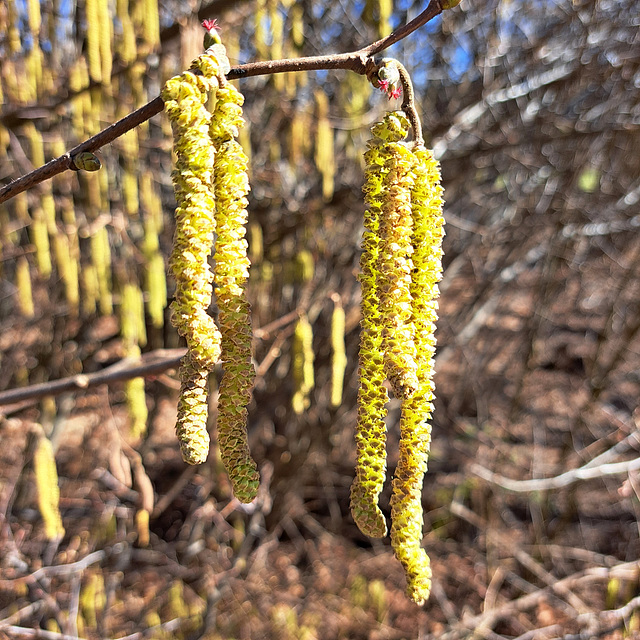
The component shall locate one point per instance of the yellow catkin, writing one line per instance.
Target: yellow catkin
(155, 280)
(136, 404)
(35, 143)
(105, 38)
(13, 30)
(297, 25)
(23, 285)
(395, 267)
(324, 156)
(92, 13)
(90, 289)
(48, 492)
(260, 36)
(297, 139)
(87, 602)
(372, 394)
(33, 68)
(275, 52)
(40, 238)
(305, 266)
(68, 270)
(5, 141)
(151, 24)
(133, 331)
(385, 9)
(184, 101)
(302, 365)
(256, 244)
(130, 192)
(35, 19)
(231, 274)
(415, 429)
(101, 257)
(338, 354)
(142, 526)
(126, 46)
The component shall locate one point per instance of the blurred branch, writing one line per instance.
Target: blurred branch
(563, 480)
(149, 364)
(360, 61)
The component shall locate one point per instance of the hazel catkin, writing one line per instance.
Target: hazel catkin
(231, 184)
(372, 394)
(415, 429)
(184, 97)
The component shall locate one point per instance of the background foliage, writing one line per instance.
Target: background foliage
(533, 110)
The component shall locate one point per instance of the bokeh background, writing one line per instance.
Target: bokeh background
(533, 109)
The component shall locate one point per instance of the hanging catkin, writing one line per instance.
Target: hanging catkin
(184, 97)
(395, 266)
(231, 273)
(44, 463)
(415, 430)
(372, 394)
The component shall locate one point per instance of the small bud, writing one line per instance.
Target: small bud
(86, 161)
(389, 79)
(211, 37)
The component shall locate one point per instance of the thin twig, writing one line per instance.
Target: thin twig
(149, 364)
(71, 568)
(360, 61)
(43, 634)
(563, 480)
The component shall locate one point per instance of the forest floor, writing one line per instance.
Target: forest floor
(538, 565)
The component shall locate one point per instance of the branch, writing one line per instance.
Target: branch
(360, 61)
(563, 480)
(150, 364)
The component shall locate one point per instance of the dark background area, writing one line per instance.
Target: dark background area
(533, 109)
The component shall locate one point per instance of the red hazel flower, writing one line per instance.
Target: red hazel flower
(395, 93)
(210, 25)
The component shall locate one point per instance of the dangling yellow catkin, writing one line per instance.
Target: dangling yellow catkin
(23, 285)
(372, 394)
(302, 365)
(395, 267)
(48, 492)
(415, 430)
(325, 156)
(185, 97)
(338, 358)
(105, 38)
(231, 274)
(92, 14)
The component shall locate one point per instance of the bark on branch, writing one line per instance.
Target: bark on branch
(360, 61)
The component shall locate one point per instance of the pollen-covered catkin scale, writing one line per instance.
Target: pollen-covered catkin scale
(415, 430)
(372, 394)
(231, 274)
(185, 97)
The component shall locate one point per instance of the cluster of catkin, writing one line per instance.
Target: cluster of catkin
(401, 265)
(211, 186)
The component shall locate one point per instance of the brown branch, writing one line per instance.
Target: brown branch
(150, 364)
(360, 61)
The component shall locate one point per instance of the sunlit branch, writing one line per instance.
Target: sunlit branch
(150, 364)
(360, 61)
